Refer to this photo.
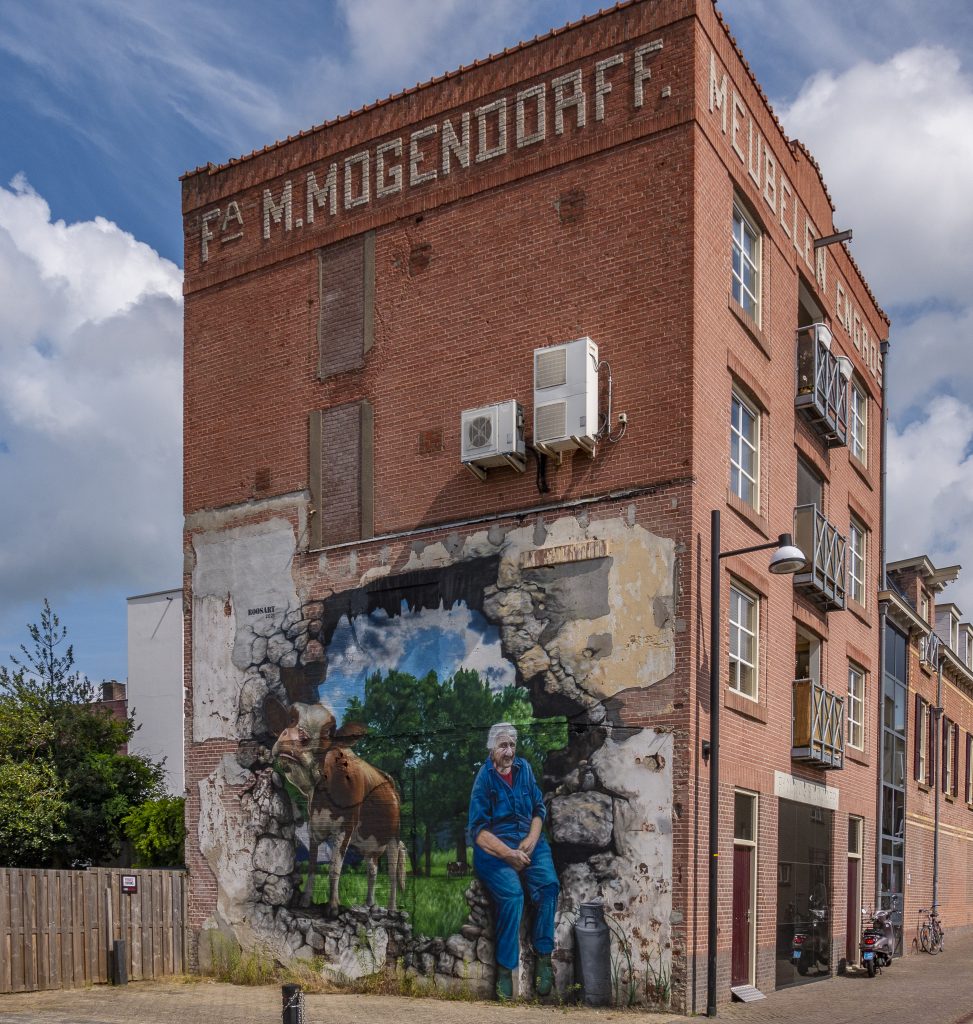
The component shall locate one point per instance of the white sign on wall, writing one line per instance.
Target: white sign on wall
(804, 792)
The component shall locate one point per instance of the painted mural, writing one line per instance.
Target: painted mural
(428, 773)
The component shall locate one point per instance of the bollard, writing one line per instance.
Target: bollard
(119, 963)
(292, 999)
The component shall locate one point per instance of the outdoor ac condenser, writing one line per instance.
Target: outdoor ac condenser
(566, 397)
(493, 435)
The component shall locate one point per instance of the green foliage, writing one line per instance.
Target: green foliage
(157, 831)
(61, 772)
(430, 736)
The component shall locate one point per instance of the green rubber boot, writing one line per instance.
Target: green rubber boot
(505, 984)
(543, 975)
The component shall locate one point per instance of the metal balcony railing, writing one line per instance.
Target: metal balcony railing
(822, 580)
(822, 385)
(818, 730)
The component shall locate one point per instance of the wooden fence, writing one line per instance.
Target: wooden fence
(57, 927)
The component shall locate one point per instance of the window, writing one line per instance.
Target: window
(810, 485)
(859, 424)
(746, 263)
(856, 707)
(744, 817)
(807, 655)
(857, 536)
(948, 757)
(924, 606)
(920, 764)
(855, 831)
(969, 768)
(744, 625)
(744, 450)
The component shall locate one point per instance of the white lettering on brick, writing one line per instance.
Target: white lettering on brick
(205, 235)
(717, 90)
(388, 180)
(537, 93)
(602, 86)
(416, 156)
(278, 211)
(327, 194)
(454, 145)
(565, 100)
(641, 73)
(484, 151)
(351, 200)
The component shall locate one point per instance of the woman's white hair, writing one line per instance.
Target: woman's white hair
(498, 730)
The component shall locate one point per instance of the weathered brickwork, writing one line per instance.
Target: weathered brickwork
(582, 185)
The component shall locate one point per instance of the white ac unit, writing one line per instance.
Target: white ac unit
(566, 397)
(493, 435)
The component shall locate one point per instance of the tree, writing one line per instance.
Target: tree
(430, 736)
(64, 785)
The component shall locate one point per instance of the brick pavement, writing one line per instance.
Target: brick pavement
(933, 990)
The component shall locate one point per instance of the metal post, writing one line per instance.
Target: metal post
(937, 782)
(714, 760)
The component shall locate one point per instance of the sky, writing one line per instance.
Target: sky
(104, 104)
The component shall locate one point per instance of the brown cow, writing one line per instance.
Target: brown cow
(348, 800)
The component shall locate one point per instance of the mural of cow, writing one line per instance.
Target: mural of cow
(349, 801)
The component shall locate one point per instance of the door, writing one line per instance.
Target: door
(853, 923)
(742, 914)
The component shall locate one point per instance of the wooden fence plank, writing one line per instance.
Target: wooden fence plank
(136, 901)
(18, 976)
(39, 934)
(5, 931)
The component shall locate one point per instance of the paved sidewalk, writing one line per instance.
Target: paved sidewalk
(928, 990)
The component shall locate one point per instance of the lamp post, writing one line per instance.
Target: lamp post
(787, 559)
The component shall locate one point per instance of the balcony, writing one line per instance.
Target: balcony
(822, 581)
(818, 731)
(822, 385)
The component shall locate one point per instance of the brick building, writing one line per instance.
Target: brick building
(928, 798)
(349, 294)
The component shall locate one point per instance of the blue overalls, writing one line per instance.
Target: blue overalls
(507, 811)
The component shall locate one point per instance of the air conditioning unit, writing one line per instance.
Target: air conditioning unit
(493, 436)
(566, 397)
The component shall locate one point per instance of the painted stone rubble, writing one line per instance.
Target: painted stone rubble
(563, 619)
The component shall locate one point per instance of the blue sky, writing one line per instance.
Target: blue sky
(104, 104)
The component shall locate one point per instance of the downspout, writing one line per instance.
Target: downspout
(882, 617)
(937, 782)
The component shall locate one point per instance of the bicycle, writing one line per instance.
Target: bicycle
(931, 932)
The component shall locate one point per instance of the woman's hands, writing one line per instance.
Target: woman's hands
(518, 857)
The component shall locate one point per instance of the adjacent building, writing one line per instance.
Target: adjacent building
(467, 373)
(155, 681)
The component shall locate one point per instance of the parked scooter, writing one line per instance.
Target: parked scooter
(812, 947)
(878, 939)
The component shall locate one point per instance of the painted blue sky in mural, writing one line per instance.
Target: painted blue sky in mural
(440, 640)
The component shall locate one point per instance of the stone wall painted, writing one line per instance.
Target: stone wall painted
(550, 627)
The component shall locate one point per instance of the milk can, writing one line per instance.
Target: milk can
(592, 955)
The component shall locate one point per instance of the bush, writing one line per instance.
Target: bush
(157, 831)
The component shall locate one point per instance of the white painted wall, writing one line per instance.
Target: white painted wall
(155, 683)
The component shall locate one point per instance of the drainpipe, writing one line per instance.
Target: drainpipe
(937, 782)
(882, 617)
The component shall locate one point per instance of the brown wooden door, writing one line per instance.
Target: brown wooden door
(853, 924)
(742, 874)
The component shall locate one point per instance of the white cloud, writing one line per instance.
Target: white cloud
(90, 408)
(930, 491)
(895, 141)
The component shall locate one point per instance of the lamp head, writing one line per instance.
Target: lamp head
(787, 558)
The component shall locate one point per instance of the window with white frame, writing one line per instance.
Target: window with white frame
(744, 639)
(922, 740)
(924, 607)
(969, 768)
(746, 262)
(857, 537)
(949, 756)
(856, 706)
(858, 441)
(744, 450)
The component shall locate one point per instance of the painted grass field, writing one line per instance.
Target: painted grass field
(436, 904)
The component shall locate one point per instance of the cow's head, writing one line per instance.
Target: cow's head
(305, 733)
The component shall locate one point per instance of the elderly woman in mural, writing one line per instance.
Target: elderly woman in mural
(510, 855)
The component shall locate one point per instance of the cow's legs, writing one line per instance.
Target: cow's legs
(372, 875)
(337, 859)
(393, 857)
(312, 867)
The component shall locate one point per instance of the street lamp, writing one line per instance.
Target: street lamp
(787, 559)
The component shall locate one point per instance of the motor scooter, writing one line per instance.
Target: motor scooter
(878, 939)
(811, 947)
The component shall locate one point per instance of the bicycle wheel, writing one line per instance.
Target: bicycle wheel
(925, 938)
(936, 939)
